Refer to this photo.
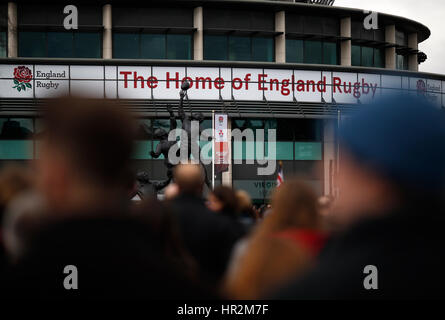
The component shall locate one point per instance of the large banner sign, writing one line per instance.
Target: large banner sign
(209, 83)
(221, 143)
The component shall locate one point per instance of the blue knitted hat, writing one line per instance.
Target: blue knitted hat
(400, 137)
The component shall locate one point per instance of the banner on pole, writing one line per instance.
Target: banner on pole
(221, 143)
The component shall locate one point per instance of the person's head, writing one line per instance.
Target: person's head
(189, 178)
(294, 205)
(161, 134)
(245, 203)
(86, 150)
(223, 199)
(390, 158)
(198, 116)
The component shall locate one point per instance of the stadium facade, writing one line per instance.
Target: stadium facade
(294, 66)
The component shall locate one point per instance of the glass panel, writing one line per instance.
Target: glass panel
(263, 49)
(125, 45)
(330, 53)
(294, 51)
(60, 44)
(87, 45)
(312, 52)
(16, 128)
(32, 44)
(239, 48)
(142, 149)
(153, 46)
(284, 151)
(215, 47)
(16, 149)
(308, 151)
(367, 57)
(179, 46)
(3, 44)
(356, 56)
(379, 58)
(400, 62)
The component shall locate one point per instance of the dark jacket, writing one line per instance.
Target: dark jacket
(115, 258)
(207, 235)
(406, 248)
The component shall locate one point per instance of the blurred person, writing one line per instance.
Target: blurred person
(171, 191)
(284, 245)
(223, 200)
(207, 236)
(83, 177)
(391, 181)
(247, 212)
(325, 204)
(14, 180)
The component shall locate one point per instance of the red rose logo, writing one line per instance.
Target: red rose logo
(22, 78)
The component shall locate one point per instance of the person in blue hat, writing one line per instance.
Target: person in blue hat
(390, 207)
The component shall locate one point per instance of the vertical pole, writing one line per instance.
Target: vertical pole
(338, 151)
(213, 149)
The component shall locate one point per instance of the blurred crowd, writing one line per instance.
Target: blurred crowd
(81, 205)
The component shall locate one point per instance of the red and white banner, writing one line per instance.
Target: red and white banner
(221, 143)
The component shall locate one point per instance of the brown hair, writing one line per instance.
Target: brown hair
(96, 134)
(294, 204)
(228, 198)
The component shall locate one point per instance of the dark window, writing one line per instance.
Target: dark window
(367, 57)
(87, 45)
(362, 56)
(401, 62)
(215, 47)
(263, 49)
(126, 46)
(294, 51)
(179, 46)
(238, 48)
(152, 46)
(32, 44)
(60, 44)
(3, 44)
(313, 52)
(308, 51)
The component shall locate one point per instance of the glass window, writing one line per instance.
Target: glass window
(263, 49)
(239, 48)
(294, 51)
(379, 58)
(60, 44)
(3, 44)
(313, 52)
(367, 57)
(32, 44)
(179, 46)
(402, 62)
(125, 45)
(215, 47)
(153, 46)
(16, 138)
(330, 53)
(87, 45)
(356, 56)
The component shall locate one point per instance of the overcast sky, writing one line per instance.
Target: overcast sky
(429, 12)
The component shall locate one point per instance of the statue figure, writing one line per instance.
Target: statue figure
(164, 146)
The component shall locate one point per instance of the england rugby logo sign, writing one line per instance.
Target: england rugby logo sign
(22, 78)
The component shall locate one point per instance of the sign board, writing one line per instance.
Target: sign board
(221, 143)
(209, 83)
